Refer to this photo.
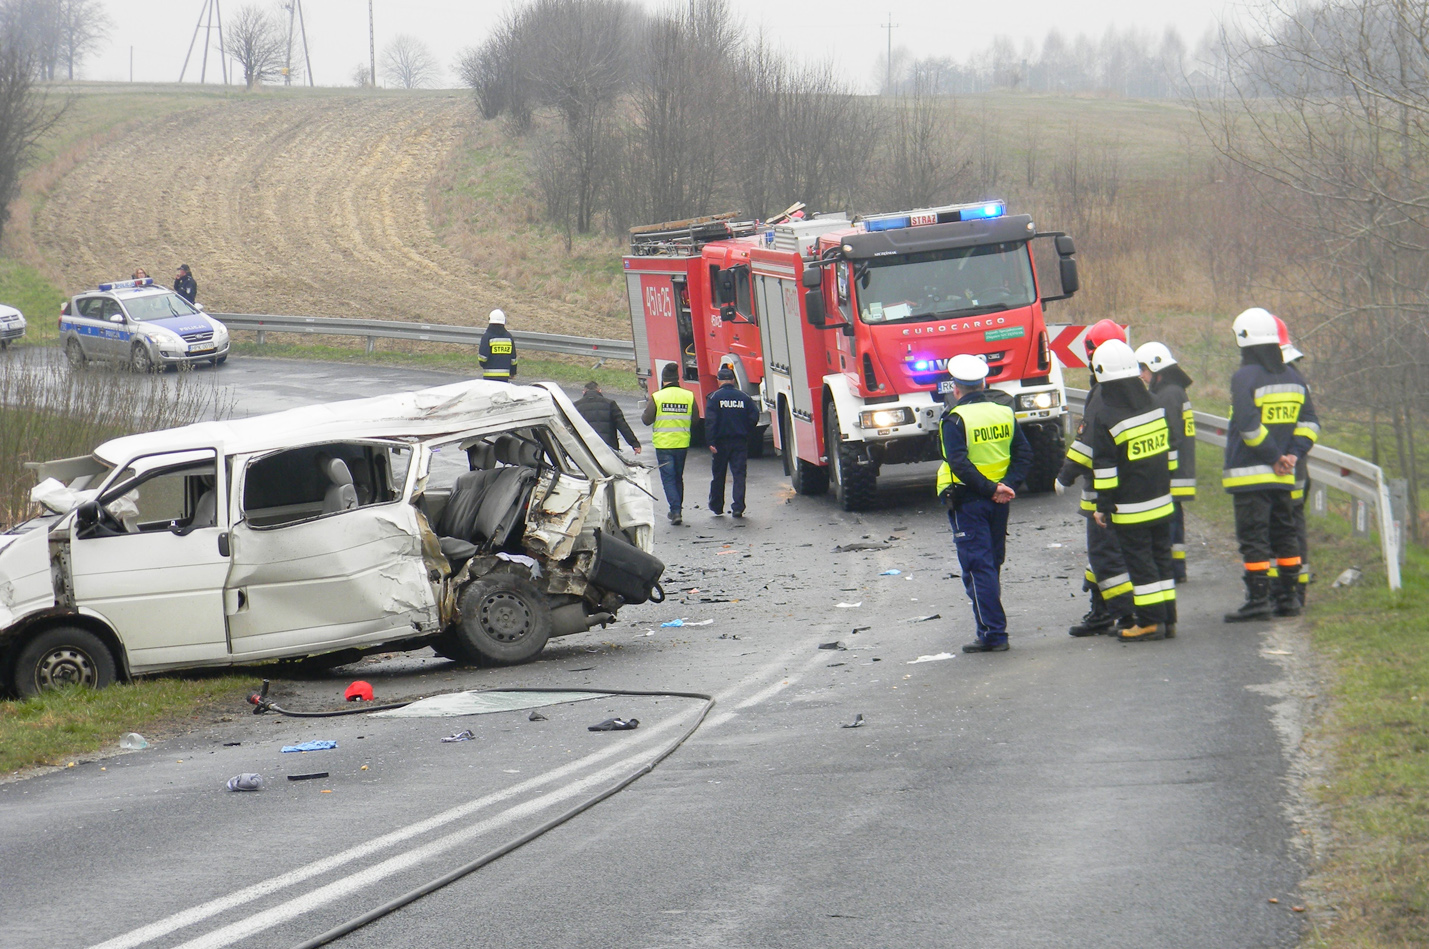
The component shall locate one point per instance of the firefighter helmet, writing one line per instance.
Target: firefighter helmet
(1256, 327)
(1102, 331)
(1288, 352)
(497, 317)
(1115, 360)
(1155, 356)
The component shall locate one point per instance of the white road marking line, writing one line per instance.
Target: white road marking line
(197, 914)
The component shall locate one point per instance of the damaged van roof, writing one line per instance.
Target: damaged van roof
(424, 413)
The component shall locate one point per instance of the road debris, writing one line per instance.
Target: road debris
(322, 745)
(133, 742)
(728, 636)
(247, 781)
(856, 723)
(934, 658)
(359, 691)
(854, 548)
(833, 645)
(859, 629)
(308, 777)
(891, 572)
(1347, 578)
(464, 735)
(924, 619)
(537, 717)
(615, 725)
(849, 606)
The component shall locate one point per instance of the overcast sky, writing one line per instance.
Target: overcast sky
(160, 31)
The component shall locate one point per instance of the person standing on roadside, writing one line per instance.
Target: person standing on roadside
(671, 412)
(1301, 492)
(185, 285)
(1168, 383)
(497, 352)
(731, 416)
(984, 454)
(1131, 459)
(606, 417)
(1272, 426)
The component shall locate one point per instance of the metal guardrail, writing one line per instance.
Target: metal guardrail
(1361, 480)
(600, 349)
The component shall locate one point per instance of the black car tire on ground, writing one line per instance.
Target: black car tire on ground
(74, 352)
(505, 620)
(139, 359)
(61, 656)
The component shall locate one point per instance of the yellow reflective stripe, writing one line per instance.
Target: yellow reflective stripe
(1136, 421)
(1115, 583)
(1081, 454)
(1141, 517)
(1138, 431)
(496, 373)
(1281, 392)
(1256, 437)
(1106, 484)
(1297, 494)
(1091, 577)
(1304, 430)
(1121, 589)
(1150, 599)
(1182, 491)
(1255, 474)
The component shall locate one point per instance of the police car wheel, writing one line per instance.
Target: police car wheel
(62, 656)
(505, 619)
(4, 344)
(75, 354)
(139, 359)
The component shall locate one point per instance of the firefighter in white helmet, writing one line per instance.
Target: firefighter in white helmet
(1131, 467)
(497, 352)
(1168, 383)
(1272, 426)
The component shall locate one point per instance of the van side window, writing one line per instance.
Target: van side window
(315, 480)
(165, 497)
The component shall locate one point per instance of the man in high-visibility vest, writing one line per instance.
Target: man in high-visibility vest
(671, 412)
(497, 352)
(984, 455)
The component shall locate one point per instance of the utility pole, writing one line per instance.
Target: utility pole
(372, 44)
(890, 26)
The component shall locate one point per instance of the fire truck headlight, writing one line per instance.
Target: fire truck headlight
(885, 418)
(1038, 400)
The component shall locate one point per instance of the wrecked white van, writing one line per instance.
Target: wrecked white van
(478, 518)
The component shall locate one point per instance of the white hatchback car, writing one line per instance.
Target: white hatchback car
(135, 322)
(12, 325)
(479, 518)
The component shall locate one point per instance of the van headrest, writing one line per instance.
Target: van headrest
(508, 449)
(337, 472)
(530, 454)
(481, 456)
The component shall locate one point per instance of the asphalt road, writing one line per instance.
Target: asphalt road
(1067, 793)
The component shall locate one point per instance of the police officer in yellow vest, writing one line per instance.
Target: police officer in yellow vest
(671, 411)
(984, 455)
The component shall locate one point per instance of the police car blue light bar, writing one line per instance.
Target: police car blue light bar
(126, 284)
(945, 215)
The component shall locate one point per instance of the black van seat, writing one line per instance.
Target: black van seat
(503, 507)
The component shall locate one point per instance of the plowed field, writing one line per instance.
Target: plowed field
(294, 205)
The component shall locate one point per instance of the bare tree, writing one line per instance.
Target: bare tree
(360, 76)
(257, 40)
(924, 159)
(497, 71)
(407, 62)
(82, 29)
(25, 113)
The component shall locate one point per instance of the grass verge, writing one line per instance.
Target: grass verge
(59, 727)
(27, 290)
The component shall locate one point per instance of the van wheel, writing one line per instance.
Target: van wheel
(140, 360)
(505, 620)
(75, 354)
(62, 656)
(854, 485)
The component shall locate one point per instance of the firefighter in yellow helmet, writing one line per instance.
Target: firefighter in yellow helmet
(984, 455)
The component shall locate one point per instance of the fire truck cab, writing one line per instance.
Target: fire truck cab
(859, 319)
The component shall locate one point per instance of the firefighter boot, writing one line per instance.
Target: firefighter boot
(1143, 631)
(1287, 594)
(1257, 600)
(1098, 619)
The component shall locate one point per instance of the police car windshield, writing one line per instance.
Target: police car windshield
(954, 282)
(160, 306)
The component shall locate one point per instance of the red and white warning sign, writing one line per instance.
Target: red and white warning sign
(1068, 342)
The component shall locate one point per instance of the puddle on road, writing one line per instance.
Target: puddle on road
(484, 703)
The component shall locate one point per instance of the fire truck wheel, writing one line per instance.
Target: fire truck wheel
(1047, 456)
(786, 444)
(854, 485)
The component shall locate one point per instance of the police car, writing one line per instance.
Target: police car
(12, 325)
(145, 326)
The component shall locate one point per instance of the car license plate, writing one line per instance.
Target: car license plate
(200, 350)
(945, 387)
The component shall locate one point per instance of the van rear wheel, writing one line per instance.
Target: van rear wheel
(505, 620)
(62, 656)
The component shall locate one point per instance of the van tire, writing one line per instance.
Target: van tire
(62, 656)
(505, 620)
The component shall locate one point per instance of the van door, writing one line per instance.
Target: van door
(313, 573)
(152, 565)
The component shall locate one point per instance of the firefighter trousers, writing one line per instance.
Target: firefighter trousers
(1265, 530)
(1178, 542)
(1147, 549)
(1106, 570)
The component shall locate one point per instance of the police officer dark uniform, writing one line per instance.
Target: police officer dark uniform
(1272, 426)
(984, 453)
(1132, 466)
(185, 285)
(671, 412)
(1105, 577)
(731, 415)
(1168, 383)
(497, 353)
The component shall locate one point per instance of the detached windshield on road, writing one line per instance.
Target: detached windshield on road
(955, 282)
(160, 306)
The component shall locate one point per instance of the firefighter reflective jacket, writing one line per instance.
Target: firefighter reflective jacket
(1182, 423)
(674, 415)
(497, 353)
(1271, 416)
(981, 445)
(1079, 454)
(1131, 464)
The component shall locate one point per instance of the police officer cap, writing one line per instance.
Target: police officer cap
(726, 372)
(967, 369)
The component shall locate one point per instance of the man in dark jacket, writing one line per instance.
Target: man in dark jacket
(605, 416)
(497, 352)
(1168, 383)
(730, 417)
(185, 285)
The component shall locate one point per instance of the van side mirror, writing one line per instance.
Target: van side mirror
(814, 308)
(812, 278)
(727, 313)
(1071, 283)
(86, 515)
(724, 286)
